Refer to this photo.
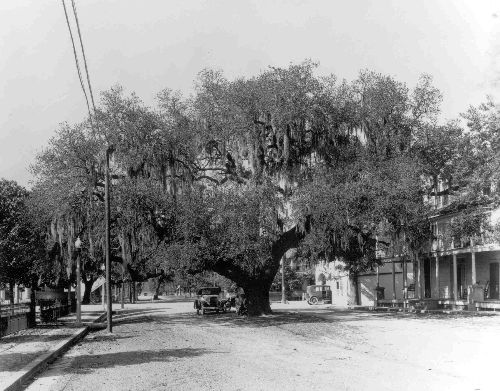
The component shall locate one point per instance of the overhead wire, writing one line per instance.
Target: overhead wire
(85, 62)
(77, 62)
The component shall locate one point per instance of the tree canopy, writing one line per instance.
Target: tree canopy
(231, 178)
(22, 246)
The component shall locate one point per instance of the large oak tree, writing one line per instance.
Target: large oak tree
(232, 178)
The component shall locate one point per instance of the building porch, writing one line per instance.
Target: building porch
(461, 278)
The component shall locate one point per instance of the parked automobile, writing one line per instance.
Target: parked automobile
(316, 294)
(209, 299)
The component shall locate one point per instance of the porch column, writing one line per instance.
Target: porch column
(455, 285)
(437, 276)
(393, 279)
(417, 275)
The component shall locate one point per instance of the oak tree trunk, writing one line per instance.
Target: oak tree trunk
(257, 282)
(88, 290)
(11, 296)
(257, 294)
(355, 282)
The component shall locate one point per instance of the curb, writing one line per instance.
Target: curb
(15, 381)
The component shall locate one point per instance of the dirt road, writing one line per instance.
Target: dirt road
(166, 346)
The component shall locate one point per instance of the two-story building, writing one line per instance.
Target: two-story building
(449, 273)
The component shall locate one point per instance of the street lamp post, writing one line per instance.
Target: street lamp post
(68, 272)
(78, 246)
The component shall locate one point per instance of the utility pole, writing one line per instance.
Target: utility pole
(108, 249)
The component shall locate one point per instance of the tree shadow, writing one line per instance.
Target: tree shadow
(284, 317)
(279, 317)
(91, 362)
(13, 362)
(230, 319)
(226, 319)
(344, 315)
(88, 363)
(135, 315)
(17, 339)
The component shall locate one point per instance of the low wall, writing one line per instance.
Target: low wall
(13, 324)
(294, 295)
(13, 319)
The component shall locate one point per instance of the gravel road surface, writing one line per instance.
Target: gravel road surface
(166, 346)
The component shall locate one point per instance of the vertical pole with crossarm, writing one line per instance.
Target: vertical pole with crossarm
(108, 249)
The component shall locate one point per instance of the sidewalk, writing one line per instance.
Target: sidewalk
(27, 352)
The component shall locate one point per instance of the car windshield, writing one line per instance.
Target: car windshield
(209, 291)
(318, 288)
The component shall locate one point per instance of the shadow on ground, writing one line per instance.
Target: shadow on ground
(277, 318)
(13, 362)
(88, 363)
(20, 338)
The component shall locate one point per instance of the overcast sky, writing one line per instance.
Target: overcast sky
(149, 45)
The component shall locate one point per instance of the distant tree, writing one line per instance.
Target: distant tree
(22, 246)
(294, 281)
(67, 198)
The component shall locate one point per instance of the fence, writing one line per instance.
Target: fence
(54, 304)
(14, 318)
(22, 316)
(50, 310)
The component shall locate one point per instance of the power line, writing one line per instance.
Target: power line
(109, 150)
(84, 61)
(76, 62)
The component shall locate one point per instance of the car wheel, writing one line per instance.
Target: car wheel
(313, 300)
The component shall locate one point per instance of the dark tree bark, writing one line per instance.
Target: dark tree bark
(257, 283)
(88, 290)
(11, 292)
(32, 313)
(158, 282)
(134, 296)
(355, 281)
(257, 294)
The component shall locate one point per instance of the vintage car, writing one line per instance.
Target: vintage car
(316, 294)
(209, 299)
